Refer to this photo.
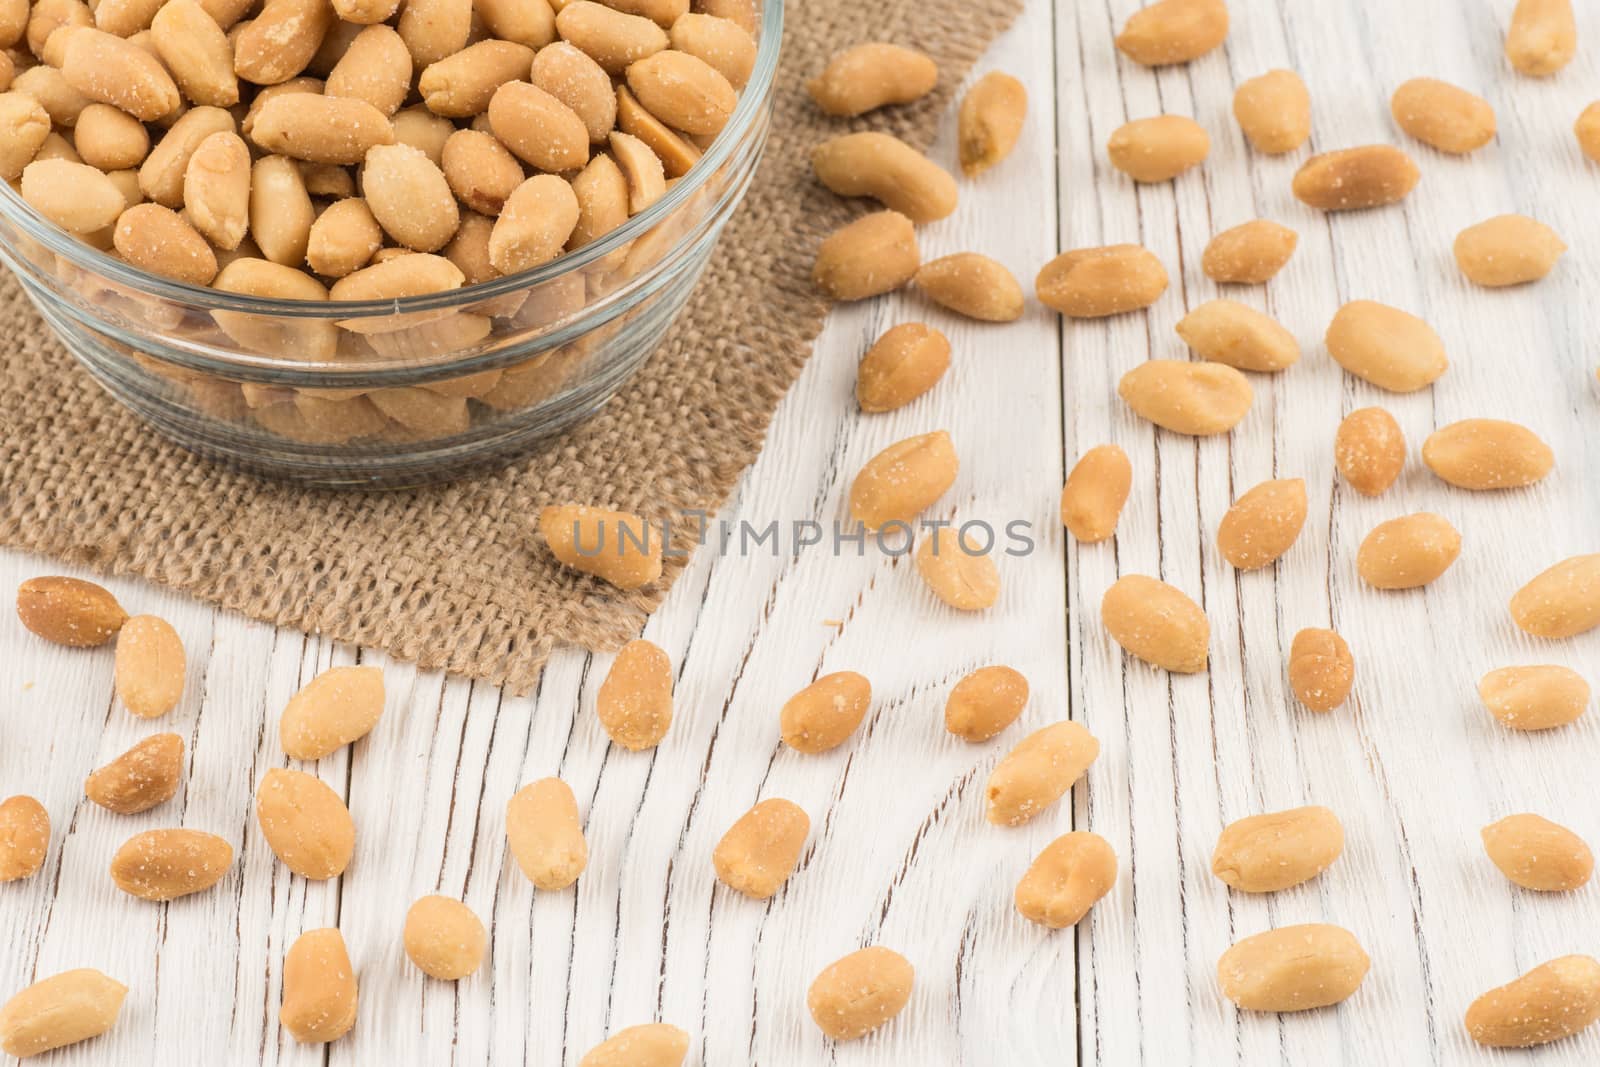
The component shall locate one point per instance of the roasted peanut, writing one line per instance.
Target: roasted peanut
(24, 837)
(761, 849)
(402, 275)
(903, 479)
(643, 175)
(281, 213)
(990, 121)
(1388, 347)
(1263, 524)
(722, 43)
(69, 611)
(1089, 283)
(527, 22)
(1538, 854)
(684, 91)
(1321, 669)
(1356, 178)
(1066, 879)
(900, 366)
(1156, 622)
(1224, 331)
(1293, 968)
(825, 713)
(1587, 130)
(196, 50)
(309, 339)
(117, 72)
(874, 254)
(1198, 399)
(1487, 454)
(1250, 253)
(375, 68)
(1038, 772)
(613, 545)
(534, 225)
(973, 285)
(409, 196)
(461, 85)
(159, 240)
(545, 834)
(677, 154)
(24, 125)
(1550, 1002)
(1274, 111)
(601, 190)
(139, 779)
(319, 988)
(613, 39)
(1173, 31)
(109, 139)
(856, 995)
(74, 196)
(216, 189)
(422, 129)
(60, 1010)
(1507, 250)
(1370, 450)
(336, 708)
(444, 938)
(344, 238)
(869, 76)
(1534, 698)
(888, 170)
(1265, 853)
(149, 665)
(125, 18)
(1408, 552)
(434, 29)
(480, 170)
(959, 572)
(985, 702)
(163, 865)
(1562, 601)
(1543, 36)
(323, 129)
(1158, 149)
(1096, 490)
(48, 16)
(163, 172)
(635, 700)
(648, 1045)
(569, 75)
(305, 823)
(1442, 115)
(47, 86)
(540, 129)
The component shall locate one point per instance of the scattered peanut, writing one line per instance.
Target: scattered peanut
(1263, 524)
(1543, 36)
(870, 76)
(874, 254)
(444, 938)
(546, 834)
(1356, 178)
(149, 665)
(1321, 669)
(69, 611)
(1156, 622)
(1224, 331)
(1408, 552)
(1562, 601)
(1173, 31)
(855, 995)
(1442, 115)
(972, 285)
(1586, 129)
(761, 849)
(1274, 111)
(1250, 253)
(1089, 283)
(305, 823)
(166, 864)
(1198, 399)
(900, 366)
(888, 170)
(958, 571)
(1266, 853)
(1388, 347)
(985, 702)
(1096, 489)
(141, 778)
(903, 479)
(1538, 854)
(1066, 879)
(334, 709)
(1158, 149)
(616, 546)
(1370, 450)
(24, 837)
(319, 987)
(1293, 968)
(990, 121)
(634, 703)
(1039, 771)
(1534, 698)
(1487, 454)
(1554, 1000)
(825, 713)
(60, 1010)
(1508, 250)
(648, 1045)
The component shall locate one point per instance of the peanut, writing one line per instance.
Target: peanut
(434, 29)
(1442, 115)
(1198, 399)
(1090, 283)
(856, 995)
(108, 139)
(647, 1045)
(1534, 698)
(985, 702)
(990, 121)
(1265, 853)
(461, 85)
(601, 190)
(196, 51)
(60, 1010)
(1370, 450)
(280, 41)
(47, 86)
(1554, 1000)
(141, 778)
(1356, 178)
(888, 170)
(762, 848)
(545, 834)
(375, 68)
(643, 174)
(1173, 31)
(1224, 331)
(405, 274)
(24, 837)
(1487, 454)
(159, 240)
(1388, 347)
(422, 129)
(444, 938)
(74, 196)
(900, 366)
(959, 573)
(664, 13)
(1263, 524)
(305, 823)
(1543, 36)
(635, 700)
(1506, 250)
(163, 172)
(1274, 111)
(572, 77)
(1250, 253)
(336, 708)
(1293, 968)
(1562, 601)
(319, 988)
(149, 665)
(872, 255)
(410, 198)
(1587, 130)
(825, 713)
(69, 611)
(24, 125)
(903, 479)
(310, 339)
(1538, 854)
(344, 238)
(216, 189)
(1408, 552)
(722, 43)
(870, 76)
(481, 172)
(972, 285)
(47, 17)
(613, 39)
(281, 212)
(125, 18)
(613, 545)
(1066, 879)
(677, 154)
(527, 22)
(1321, 669)
(1095, 492)
(1158, 149)
(534, 225)
(538, 128)
(117, 72)
(322, 129)
(1039, 771)
(163, 865)
(1156, 622)
(684, 91)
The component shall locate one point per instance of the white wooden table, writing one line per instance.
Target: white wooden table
(900, 852)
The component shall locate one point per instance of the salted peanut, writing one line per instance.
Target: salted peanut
(985, 702)
(409, 196)
(319, 988)
(1263, 524)
(125, 17)
(13, 22)
(962, 577)
(74, 196)
(744, 12)
(461, 85)
(570, 76)
(601, 189)
(1587, 131)
(58, 147)
(534, 225)
(149, 665)
(1266, 853)
(761, 849)
(444, 938)
(825, 713)
(1066, 879)
(989, 122)
(1538, 854)
(306, 338)
(642, 171)
(613, 39)
(973, 285)
(875, 254)
(1090, 283)
(545, 834)
(305, 823)
(410, 274)
(648, 1045)
(336, 708)
(1370, 450)
(1487, 454)
(46, 18)
(110, 139)
(1173, 31)
(60, 100)
(900, 366)
(634, 702)
(1038, 772)
(216, 189)
(1542, 37)
(24, 125)
(1534, 698)
(540, 129)
(721, 43)
(1250, 253)
(197, 53)
(888, 170)
(1156, 622)
(1274, 111)
(1158, 149)
(1225, 331)
(163, 865)
(1356, 178)
(1507, 250)
(1321, 669)
(163, 173)
(117, 72)
(322, 129)
(69, 611)
(1443, 115)
(376, 68)
(1562, 601)
(527, 22)
(678, 154)
(1390, 348)
(24, 837)
(1550, 1002)
(616, 546)
(343, 239)
(903, 479)
(334, 420)
(281, 213)
(60, 1010)
(434, 29)
(1095, 492)
(141, 778)
(280, 41)
(684, 91)
(157, 239)
(869, 76)
(481, 172)
(127, 183)
(1293, 968)
(422, 129)
(856, 995)
(1408, 552)
(227, 13)
(1198, 399)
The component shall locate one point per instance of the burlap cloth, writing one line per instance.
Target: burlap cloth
(451, 576)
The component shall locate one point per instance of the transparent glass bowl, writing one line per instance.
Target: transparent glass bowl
(397, 392)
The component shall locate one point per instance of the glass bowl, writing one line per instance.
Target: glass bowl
(396, 392)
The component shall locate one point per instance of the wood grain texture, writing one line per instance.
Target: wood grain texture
(900, 853)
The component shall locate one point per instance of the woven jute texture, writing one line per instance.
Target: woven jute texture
(452, 576)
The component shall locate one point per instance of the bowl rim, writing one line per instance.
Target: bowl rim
(753, 99)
